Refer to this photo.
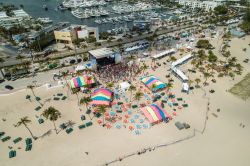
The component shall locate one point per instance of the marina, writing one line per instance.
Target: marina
(105, 15)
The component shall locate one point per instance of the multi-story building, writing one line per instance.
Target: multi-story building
(193, 4)
(19, 17)
(74, 32)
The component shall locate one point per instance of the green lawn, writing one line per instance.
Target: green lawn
(242, 88)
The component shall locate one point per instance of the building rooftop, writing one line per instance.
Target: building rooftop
(71, 27)
(3, 15)
(20, 13)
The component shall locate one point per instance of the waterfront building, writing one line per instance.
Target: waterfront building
(21, 14)
(19, 17)
(3, 15)
(193, 4)
(74, 32)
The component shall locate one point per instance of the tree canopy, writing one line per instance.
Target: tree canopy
(221, 10)
(204, 44)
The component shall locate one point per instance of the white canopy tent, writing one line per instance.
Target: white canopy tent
(167, 52)
(185, 87)
(180, 74)
(124, 85)
(181, 60)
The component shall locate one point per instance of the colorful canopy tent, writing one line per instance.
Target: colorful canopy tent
(101, 96)
(152, 80)
(154, 113)
(80, 81)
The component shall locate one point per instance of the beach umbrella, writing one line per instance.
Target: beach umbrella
(136, 116)
(108, 126)
(145, 126)
(132, 120)
(131, 128)
(137, 132)
(129, 112)
(126, 116)
(106, 114)
(125, 121)
(111, 113)
(119, 117)
(138, 126)
(99, 121)
(118, 126)
(141, 120)
(107, 117)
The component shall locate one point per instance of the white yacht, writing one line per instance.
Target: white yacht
(45, 20)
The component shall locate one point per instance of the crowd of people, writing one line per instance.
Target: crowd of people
(115, 73)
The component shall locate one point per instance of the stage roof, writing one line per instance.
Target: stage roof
(102, 52)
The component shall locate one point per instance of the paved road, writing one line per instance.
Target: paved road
(38, 80)
(106, 44)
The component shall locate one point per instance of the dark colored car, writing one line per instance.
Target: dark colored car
(9, 87)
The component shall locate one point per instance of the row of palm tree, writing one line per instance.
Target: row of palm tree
(50, 113)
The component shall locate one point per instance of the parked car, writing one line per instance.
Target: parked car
(9, 87)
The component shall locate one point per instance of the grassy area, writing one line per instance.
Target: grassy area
(242, 88)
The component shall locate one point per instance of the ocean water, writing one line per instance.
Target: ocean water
(35, 9)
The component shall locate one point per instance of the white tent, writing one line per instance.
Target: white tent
(181, 60)
(124, 85)
(80, 67)
(167, 52)
(185, 87)
(180, 73)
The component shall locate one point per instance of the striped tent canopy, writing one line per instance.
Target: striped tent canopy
(154, 113)
(80, 81)
(101, 96)
(149, 81)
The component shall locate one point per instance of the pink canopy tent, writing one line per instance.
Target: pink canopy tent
(154, 113)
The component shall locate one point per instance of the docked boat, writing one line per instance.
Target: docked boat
(45, 20)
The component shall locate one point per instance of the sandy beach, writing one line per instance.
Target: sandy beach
(224, 141)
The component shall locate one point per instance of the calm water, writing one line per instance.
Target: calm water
(35, 9)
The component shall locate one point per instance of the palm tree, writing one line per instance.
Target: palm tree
(76, 91)
(144, 67)
(231, 75)
(110, 85)
(28, 97)
(169, 86)
(227, 54)
(190, 82)
(138, 96)
(24, 121)
(131, 58)
(172, 58)
(131, 89)
(85, 101)
(153, 86)
(197, 80)
(31, 87)
(102, 109)
(78, 73)
(52, 114)
(206, 76)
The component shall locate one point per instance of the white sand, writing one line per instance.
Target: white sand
(223, 143)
